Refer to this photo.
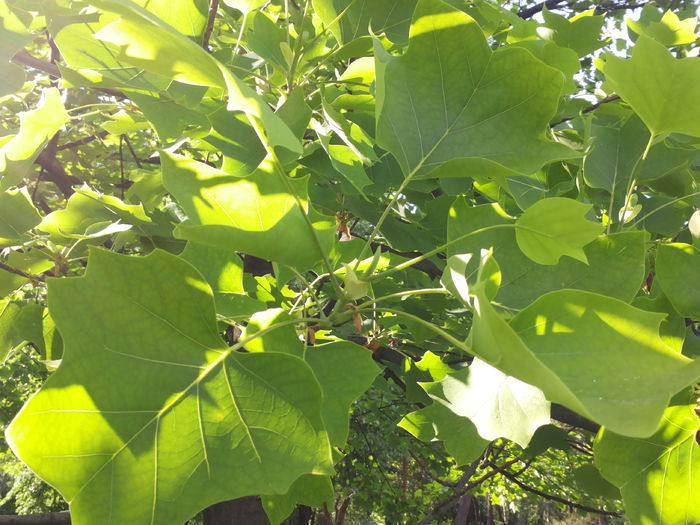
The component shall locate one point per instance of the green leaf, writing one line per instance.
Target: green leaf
(37, 127)
(223, 271)
(581, 33)
(17, 215)
(435, 106)
(616, 263)
(498, 405)
(149, 43)
(660, 88)
(659, 476)
(669, 30)
(19, 324)
(437, 422)
(196, 422)
(283, 339)
(554, 227)
(168, 118)
(589, 479)
(87, 211)
(591, 353)
(253, 215)
(362, 16)
(345, 371)
(678, 273)
(309, 489)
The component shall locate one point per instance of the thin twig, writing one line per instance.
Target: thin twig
(131, 150)
(588, 109)
(16, 271)
(83, 141)
(552, 497)
(213, 8)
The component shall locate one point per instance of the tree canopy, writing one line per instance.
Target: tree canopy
(259, 248)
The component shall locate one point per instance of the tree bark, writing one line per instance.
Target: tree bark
(53, 518)
(241, 511)
(465, 505)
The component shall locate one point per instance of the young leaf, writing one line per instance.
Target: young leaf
(434, 105)
(37, 127)
(498, 405)
(153, 425)
(17, 215)
(661, 89)
(554, 227)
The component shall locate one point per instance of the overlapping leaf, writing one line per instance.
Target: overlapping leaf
(151, 417)
(658, 476)
(254, 215)
(450, 97)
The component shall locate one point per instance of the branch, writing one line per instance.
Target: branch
(53, 518)
(588, 109)
(31, 277)
(531, 11)
(213, 8)
(552, 497)
(452, 500)
(55, 171)
(83, 141)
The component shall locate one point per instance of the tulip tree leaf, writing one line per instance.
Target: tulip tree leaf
(668, 29)
(498, 405)
(147, 42)
(363, 16)
(17, 214)
(19, 324)
(554, 227)
(661, 89)
(37, 127)
(438, 422)
(678, 273)
(245, 6)
(341, 389)
(580, 33)
(616, 262)
(254, 214)
(194, 424)
(657, 476)
(599, 356)
(435, 106)
(223, 271)
(309, 489)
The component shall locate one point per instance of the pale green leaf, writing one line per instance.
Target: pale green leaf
(254, 214)
(659, 476)
(196, 422)
(499, 406)
(554, 227)
(596, 355)
(17, 215)
(581, 32)
(668, 29)
(33, 262)
(437, 422)
(149, 43)
(661, 89)
(37, 127)
(245, 6)
(450, 97)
